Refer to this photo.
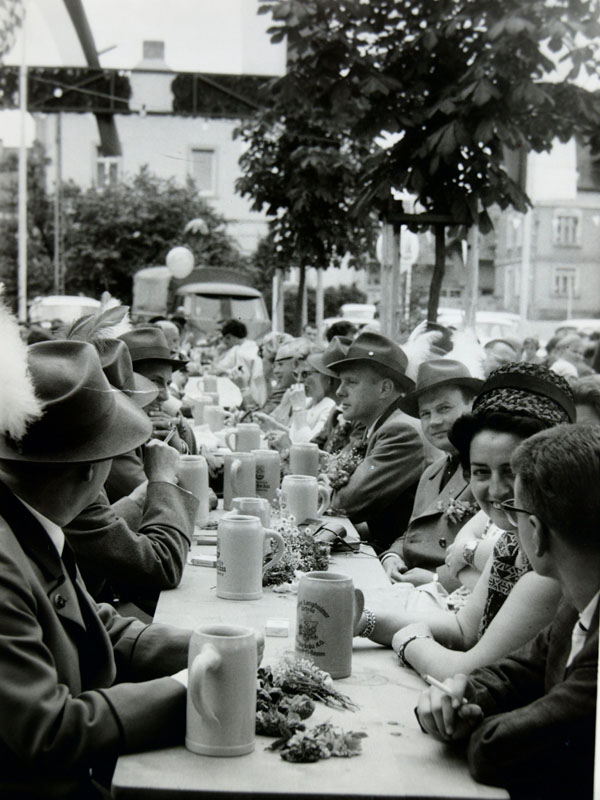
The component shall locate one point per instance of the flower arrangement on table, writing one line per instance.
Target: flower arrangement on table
(301, 552)
(457, 510)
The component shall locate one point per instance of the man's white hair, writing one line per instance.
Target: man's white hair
(19, 406)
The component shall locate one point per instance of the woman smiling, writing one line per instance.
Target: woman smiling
(509, 603)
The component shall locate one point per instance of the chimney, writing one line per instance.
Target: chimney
(153, 57)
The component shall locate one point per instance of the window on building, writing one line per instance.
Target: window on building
(108, 171)
(565, 282)
(566, 227)
(588, 169)
(514, 232)
(203, 170)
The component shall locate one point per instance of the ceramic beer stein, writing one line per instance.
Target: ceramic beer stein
(193, 476)
(214, 417)
(244, 438)
(303, 496)
(255, 507)
(325, 621)
(304, 459)
(240, 556)
(268, 473)
(210, 383)
(198, 404)
(221, 695)
(239, 477)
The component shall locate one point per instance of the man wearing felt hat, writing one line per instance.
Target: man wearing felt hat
(80, 684)
(443, 392)
(374, 481)
(151, 357)
(128, 552)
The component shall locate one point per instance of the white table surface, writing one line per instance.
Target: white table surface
(397, 759)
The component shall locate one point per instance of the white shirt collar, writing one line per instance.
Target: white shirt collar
(585, 618)
(53, 530)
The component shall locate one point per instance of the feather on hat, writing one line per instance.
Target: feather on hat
(19, 406)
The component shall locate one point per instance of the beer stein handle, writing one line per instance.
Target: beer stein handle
(207, 659)
(278, 554)
(324, 498)
(228, 439)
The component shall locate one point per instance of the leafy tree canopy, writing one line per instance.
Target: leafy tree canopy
(451, 82)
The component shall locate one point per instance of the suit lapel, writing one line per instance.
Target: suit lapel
(39, 548)
(455, 487)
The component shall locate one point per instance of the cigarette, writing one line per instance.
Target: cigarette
(442, 687)
(170, 435)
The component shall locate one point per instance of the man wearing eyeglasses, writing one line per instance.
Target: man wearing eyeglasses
(531, 716)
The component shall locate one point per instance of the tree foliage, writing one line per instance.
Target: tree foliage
(111, 232)
(454, 82)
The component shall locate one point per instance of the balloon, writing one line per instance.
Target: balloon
(180, 262)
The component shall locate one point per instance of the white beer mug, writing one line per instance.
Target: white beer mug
(268, 473)
(255, 507)
(239, 477)
(210, 383)
(303, 497)
(325, 621)
(221, 695)
(247, 437)
(214, 417)
(241, 544)
(304, 459)
(193, 476)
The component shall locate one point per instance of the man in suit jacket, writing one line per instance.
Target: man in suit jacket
(80, 684)
(380, 489)
(444, 391)
(530, 717)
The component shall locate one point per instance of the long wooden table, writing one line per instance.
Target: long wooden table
(397, 759)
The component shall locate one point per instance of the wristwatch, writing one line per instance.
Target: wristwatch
(468, 552)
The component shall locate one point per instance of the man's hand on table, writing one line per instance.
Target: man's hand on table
(446, 717)
(161, 461)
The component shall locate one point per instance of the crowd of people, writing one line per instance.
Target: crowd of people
(471, 470)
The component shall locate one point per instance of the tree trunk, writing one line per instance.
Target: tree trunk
(438, 274)
(319, 302)
(299, 296)
(472, 268)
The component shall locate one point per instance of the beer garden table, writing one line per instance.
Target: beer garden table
(397, 759)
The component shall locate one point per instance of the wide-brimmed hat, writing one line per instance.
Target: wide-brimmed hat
(530, 389)
(335, 350)
(117, 366)
(434, 374)
(373, 348)
(148, 343)
(84, 418)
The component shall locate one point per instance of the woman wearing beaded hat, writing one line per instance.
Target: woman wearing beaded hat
(509, 603)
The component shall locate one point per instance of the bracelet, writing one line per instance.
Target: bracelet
(370, 626)
(403, 646)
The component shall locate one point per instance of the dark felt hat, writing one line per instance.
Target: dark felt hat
(148, 343)
(335, 350)
(117, 366)
(435, 373)
(373, 348)
(85, 418)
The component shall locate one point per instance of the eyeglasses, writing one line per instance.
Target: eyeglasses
(511, 511)
(303, 374)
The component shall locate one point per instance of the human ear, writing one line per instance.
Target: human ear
(539, 535)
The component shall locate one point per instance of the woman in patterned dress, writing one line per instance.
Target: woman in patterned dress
(510, 602)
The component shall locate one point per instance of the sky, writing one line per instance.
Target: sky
(199, 36)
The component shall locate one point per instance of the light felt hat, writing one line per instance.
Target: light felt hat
(379, 351)
(84, 418)
(435, 373)
(148, 343)
(335, 350)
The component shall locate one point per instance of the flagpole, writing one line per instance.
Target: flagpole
(22, 178)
